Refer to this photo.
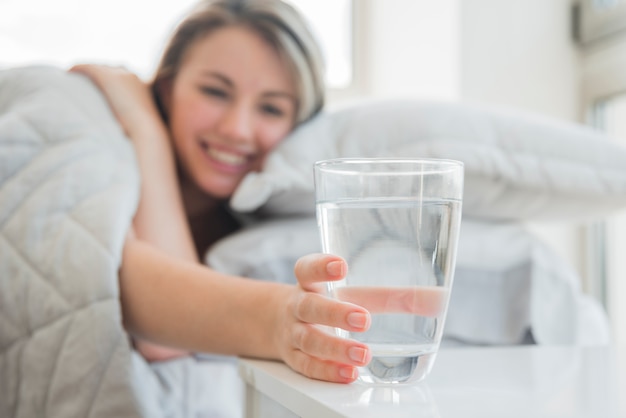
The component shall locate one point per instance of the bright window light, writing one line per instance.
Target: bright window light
(133, 33)
(331, 22)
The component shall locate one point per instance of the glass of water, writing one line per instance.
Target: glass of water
(396, 222)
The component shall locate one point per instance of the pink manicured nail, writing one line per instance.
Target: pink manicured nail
(358, 354)
(348, 373)
(358, 320)
(335, 268)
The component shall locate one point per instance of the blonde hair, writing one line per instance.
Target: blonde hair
(276, 21)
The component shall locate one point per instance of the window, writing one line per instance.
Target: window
(599, 19)
(603, 76)
(608, 238)
(332, 24)
(132, 33)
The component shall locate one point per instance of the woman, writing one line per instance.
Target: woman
(235, 80)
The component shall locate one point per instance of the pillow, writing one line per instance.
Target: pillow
(507, 282)
(517, 165)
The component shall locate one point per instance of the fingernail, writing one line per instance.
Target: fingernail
(335, 268)
(358, 354)
(348, 373)
(358, 319)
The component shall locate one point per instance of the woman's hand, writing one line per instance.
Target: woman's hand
(184, 304)
(129, 97)
(302, 343)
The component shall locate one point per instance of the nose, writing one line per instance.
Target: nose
(236, 123)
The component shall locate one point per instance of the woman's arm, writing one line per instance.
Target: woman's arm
(169, 298)
(187, 305)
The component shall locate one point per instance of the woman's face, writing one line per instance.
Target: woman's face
(232, 101)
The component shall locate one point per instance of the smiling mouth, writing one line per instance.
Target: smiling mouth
(224, 157)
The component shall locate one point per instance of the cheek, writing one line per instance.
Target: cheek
(268, 139)
(273, 135)
(188, 117)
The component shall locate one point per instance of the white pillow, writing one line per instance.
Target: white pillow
(517, 166)
(507, 282)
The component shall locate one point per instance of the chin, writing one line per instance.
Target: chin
(219, 191)
(218, 185)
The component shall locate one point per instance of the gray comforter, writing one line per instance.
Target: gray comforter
(69, 187)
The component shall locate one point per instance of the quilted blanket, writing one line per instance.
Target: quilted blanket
(69, 187)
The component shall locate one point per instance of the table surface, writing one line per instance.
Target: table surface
(520, 381)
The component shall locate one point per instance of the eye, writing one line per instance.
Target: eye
(272, 110)
(214, 91)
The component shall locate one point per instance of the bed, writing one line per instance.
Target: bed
(69, 186)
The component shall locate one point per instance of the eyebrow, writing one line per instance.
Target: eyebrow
(224, 79)
(219, 76)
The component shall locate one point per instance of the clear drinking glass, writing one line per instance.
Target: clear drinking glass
(396, 222)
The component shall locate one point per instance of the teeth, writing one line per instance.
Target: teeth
(226, 157)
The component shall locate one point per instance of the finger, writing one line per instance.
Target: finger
(313, 308)
(91, 71)
(315, 268)
(76, 68)
(318, 343)
(87, 69)
(418, 300)
(84, 69)
(319, 369)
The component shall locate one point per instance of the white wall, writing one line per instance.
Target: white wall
(515, 53)
(520, 53)
(511, 52)
(414, 48)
